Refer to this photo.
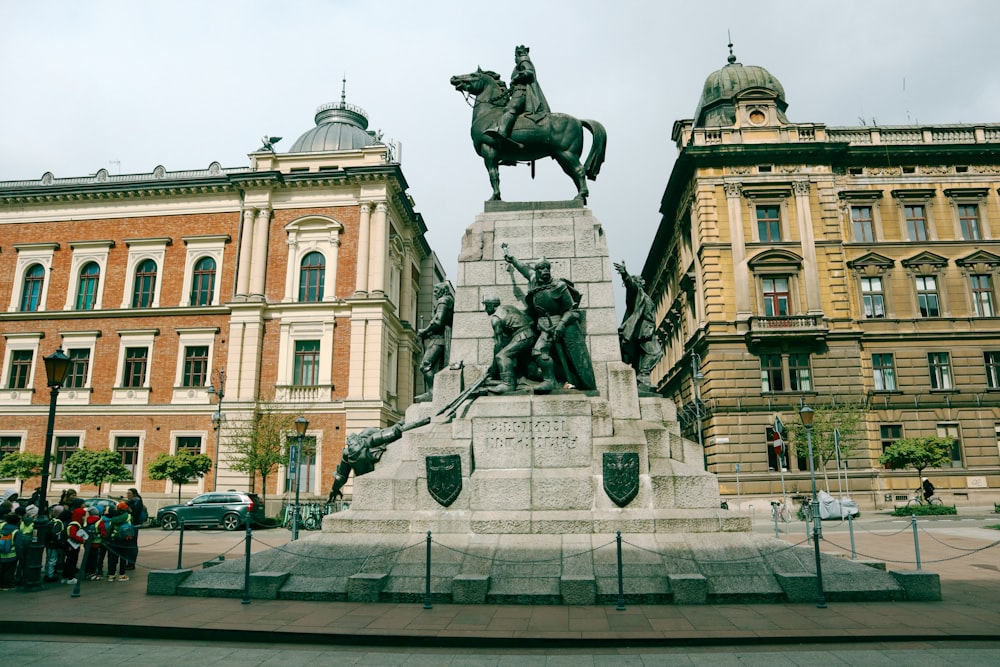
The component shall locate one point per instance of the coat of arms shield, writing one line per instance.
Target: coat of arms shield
(621, 477)
(444, 478)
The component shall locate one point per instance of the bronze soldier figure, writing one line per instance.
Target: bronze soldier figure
(641, 349)
(526, 96)
(561, 348)
(363, 450)
(513, 336)
(435, 341)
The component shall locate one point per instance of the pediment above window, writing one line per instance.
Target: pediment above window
(979, 262)
(871, 264)
(775, 259)
(925, 263)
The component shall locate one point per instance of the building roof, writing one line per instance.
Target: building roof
(717, 106)
(339, 126)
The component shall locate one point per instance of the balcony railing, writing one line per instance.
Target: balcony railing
(811, 327)
(319, 393)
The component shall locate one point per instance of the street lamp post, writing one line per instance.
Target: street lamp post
(220, 392)
(696, 377)
(56, 368)
(807, 414)
(301, 424)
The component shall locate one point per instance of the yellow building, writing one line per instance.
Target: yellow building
(853, 267)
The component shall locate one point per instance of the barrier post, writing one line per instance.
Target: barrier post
(850, 527)
(246, 571)
(621, 586)
(427, 583)
(180, 544)
(916, 542)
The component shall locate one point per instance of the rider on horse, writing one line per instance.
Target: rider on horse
(526, 96)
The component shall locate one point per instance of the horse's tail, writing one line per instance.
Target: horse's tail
(592, 167)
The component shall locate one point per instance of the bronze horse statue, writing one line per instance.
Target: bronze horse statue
(555, 135)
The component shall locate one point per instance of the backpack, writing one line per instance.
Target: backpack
(57, 535)
(125, 533)
(7, 543)
(105, 526)
(143, 515)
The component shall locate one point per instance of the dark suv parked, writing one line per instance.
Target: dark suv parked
(229, 509)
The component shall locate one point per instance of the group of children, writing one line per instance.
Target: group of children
(78, 538)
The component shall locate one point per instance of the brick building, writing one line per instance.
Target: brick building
(797, 263)
(189, 300)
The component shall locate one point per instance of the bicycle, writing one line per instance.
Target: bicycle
(780, 511)
(918, 500)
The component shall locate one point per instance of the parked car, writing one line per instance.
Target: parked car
(229, 509)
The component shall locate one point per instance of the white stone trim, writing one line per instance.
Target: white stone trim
(198, 248)
(28, 255)
(85, 252)
(139, 250)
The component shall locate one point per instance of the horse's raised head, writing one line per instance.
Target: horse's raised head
(469, 83)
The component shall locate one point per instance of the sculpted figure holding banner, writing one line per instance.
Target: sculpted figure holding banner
(435, 340)
(364, 449)
(513, 336)
(561, 348)
(526, 96)
(637, 335)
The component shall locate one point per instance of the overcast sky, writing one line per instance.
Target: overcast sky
(128, 86)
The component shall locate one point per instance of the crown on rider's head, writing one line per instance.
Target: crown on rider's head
(522, 49)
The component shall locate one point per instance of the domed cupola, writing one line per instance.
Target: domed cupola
(739, 95)
(339, 126)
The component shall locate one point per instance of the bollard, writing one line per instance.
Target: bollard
(180, 543)
(850, 527)
(774, 514)
(427, 586)
(246, 572)
(916, 542)
(621, 587)
(76, 586)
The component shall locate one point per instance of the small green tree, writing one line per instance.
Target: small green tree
(90, 466)
(180, 468)
(258, 447)
(919, 453)
(22, 465)
(848, 419)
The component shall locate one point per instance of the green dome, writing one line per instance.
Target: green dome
(339, 126)
(717, 106)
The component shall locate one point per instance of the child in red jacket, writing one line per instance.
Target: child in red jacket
(76, 538)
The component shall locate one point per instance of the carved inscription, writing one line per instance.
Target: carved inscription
(524, 441)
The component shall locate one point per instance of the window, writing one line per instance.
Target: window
(939, 364)
(31, 293)
(884, 371)
(203, 282)
(306, 363)
(144, 288)
(951, 431)
(20, 369)
(136, 359)
(863, 224)
(927, 296)
(128, 447)
(771, 376)
(968, 220)
(889, 433)
(768, 223)
(992, 362)
(189, 443)
(195, 366)
(798, 372)
(776, 296)
(312, 272)
(86, 295)
(916, 221)
(982, 295)
(873, 297)
(9, 444)
(66, 446)
(79, 368)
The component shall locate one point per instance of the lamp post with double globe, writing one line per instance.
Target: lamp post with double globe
(807, 415)
(56, 369)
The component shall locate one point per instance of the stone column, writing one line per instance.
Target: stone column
(741, 275)
(379, 256)
(364, 243)
(293, 246)
(330, 292)
(810, 274)
(406, 287)
(258, 270)
(246, 245)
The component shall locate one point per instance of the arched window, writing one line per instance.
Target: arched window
(34, 277)
(86, 295)
(203, 282)
(312, 271)
(145, 284)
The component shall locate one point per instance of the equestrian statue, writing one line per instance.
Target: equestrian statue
(515, 125)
